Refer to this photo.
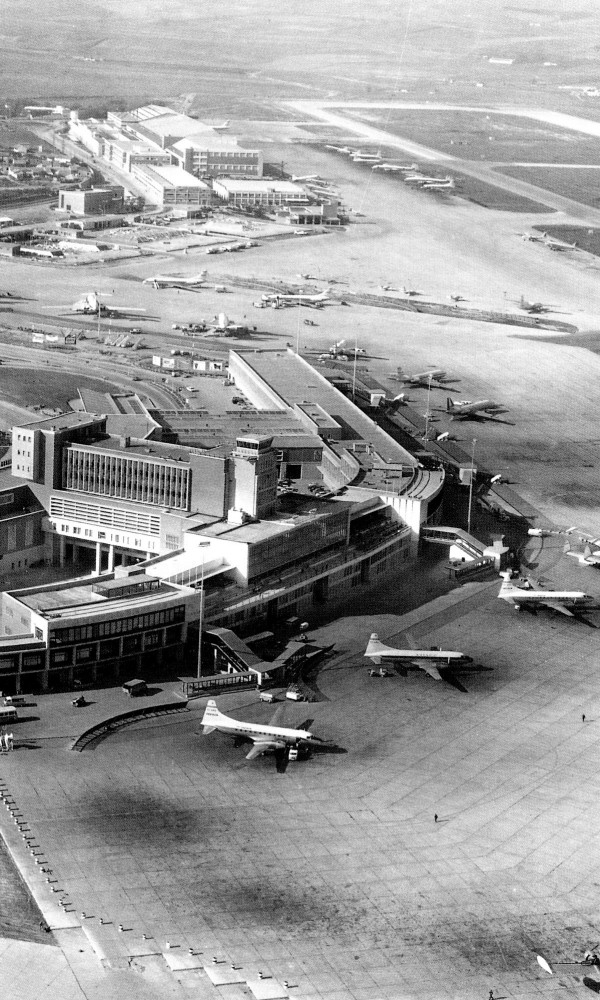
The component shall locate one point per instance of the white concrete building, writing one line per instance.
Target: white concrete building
(170, 185)
(263, 193)
(212, 155)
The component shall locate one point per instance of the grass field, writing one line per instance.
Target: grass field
(24, 387)
(476, 135)
(580, 184)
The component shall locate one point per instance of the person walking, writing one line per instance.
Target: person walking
(435, 817)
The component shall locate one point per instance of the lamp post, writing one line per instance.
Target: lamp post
(471, 486)
(202, 545)
(428, 413)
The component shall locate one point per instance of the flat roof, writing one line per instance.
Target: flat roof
(80, 600)
(61, 421)
(171, 124)
(285, 187)
(209, 140)
(293, 512)
(173, 176)
(296, 382)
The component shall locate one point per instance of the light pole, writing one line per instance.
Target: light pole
(471, 485)
(428, 413)
(202, 545)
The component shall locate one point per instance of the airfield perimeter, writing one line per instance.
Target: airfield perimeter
(334, 876)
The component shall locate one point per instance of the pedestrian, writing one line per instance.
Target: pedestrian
(583, 718)
(491, 996)
(435, 817)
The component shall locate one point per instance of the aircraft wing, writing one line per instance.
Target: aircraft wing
(277, 717)
(429, 668)
(262, 746)
(557, 606)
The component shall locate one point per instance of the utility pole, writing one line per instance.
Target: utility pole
(471, 485)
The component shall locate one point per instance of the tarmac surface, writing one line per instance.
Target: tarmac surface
(334, 877)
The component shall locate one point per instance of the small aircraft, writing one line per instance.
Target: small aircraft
(265, 737)
(589, 557)
(91, 305)
(411, 292)
(305, 177)
(388, 288)
(176, 280)
(307, 276)
(465, 408)
(526, 597)
(534, 307)
(223, 127)
(434, 661)
(458, 298)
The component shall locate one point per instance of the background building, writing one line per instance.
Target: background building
(95, 201)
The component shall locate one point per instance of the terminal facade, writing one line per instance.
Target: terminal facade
(219, 503)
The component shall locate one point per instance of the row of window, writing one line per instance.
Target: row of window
(118, 626)
(107, 517)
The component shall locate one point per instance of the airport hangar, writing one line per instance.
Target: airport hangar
(198, 502)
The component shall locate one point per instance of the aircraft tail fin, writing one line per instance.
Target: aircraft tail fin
(211, 717)
(375, 648)
(449, 404)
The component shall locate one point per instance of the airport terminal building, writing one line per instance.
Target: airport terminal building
(297, 502)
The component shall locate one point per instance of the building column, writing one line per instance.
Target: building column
(98, 558)
(62, 543)
(111, 558)
(124, 559)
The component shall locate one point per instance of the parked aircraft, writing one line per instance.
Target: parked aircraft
(422, 379)
(533, 237)
(294, 298)
(589, 557)
(435, 661)
(549, 241)
(91, 305)
(559, 245)
(411, 292)
(524, 595)
(264, 737)
(458, 298)
(305, 177)
(224, 327)
(464, 408)
(223, 127)
(439, 184)
(176, 280)
(360, 157)
(395, 167)
(534, 307)
(548, 532)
